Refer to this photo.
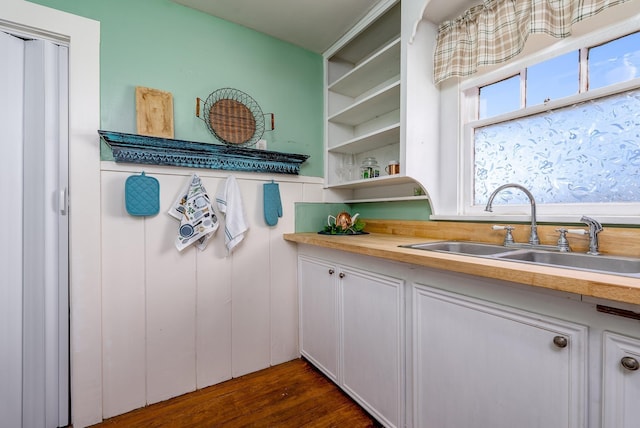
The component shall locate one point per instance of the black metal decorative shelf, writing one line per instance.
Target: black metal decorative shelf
(134, 148)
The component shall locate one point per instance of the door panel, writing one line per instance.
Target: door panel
(34, 320)
(372, 342)
(621, 381)
(318, 314)
(11, 82)
(483, 365)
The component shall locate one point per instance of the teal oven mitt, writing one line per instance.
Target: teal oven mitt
(142, 195)
(272, 203)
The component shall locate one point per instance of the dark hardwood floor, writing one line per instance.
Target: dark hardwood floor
(293, 394)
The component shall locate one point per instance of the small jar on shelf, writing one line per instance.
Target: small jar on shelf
(369, 168)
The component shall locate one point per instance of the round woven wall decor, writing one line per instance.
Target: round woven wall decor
(233, 117)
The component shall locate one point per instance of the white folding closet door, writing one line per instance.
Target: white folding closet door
(11, 83)
(45, 320)
(35, 311)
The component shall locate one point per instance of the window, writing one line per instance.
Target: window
(500, 97)
(553, 79)
(566, 127)
(613, 62)
(588, 152)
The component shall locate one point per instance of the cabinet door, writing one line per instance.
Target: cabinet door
(317, 287)
(371, 315)
(482, 365)
(621, 382)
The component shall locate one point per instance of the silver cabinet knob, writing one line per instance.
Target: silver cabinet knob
(560, 341)
(630, 363)
(341, 275)
(331, 271)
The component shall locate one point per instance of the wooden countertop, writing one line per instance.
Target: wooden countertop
(611, 287)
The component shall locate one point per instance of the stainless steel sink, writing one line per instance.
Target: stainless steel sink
(461, 247)
(608, 264)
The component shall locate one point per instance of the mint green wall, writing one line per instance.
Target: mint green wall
(164, 45)
(312, 216)
(397, 210)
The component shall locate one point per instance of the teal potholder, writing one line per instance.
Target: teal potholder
(142, 195)
(272, 203)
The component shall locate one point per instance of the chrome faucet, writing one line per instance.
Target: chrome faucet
(594, 228)
(533, 237)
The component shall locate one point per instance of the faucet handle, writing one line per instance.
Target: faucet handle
(508, 237)
(578, 231)
(563, 243)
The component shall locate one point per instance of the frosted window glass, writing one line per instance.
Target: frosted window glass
(589, 152)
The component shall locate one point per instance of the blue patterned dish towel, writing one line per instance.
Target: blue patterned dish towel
(198, 220)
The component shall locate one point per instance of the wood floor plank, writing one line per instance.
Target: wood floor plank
(292, 394)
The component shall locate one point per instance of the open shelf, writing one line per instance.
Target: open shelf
(380, 102)
(380, 67)
(143, 149)
(384, 180)
(373, 140)
(384, 189)
(384, 29)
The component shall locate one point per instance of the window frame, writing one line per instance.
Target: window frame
(469, 89)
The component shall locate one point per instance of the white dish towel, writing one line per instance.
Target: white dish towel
(229, 201)
(198, 220)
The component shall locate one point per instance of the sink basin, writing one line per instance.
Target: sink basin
(608, 264)
(461, 247)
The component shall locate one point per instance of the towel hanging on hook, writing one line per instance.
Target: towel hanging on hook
(198, 221)
(229, 201)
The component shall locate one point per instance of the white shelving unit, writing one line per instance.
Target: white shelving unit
(363, 92)
(366, 104)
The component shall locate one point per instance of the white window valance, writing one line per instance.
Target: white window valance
(496, 31)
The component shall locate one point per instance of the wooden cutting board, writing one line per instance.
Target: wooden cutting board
(154, 112)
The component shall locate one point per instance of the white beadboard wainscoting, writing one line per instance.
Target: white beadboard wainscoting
(174, 322)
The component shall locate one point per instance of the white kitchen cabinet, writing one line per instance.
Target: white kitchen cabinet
(372, 342)
(351, 328)
(478, 364)
(474, 352)
(621, 381)
(318, 312)
(380, 102)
